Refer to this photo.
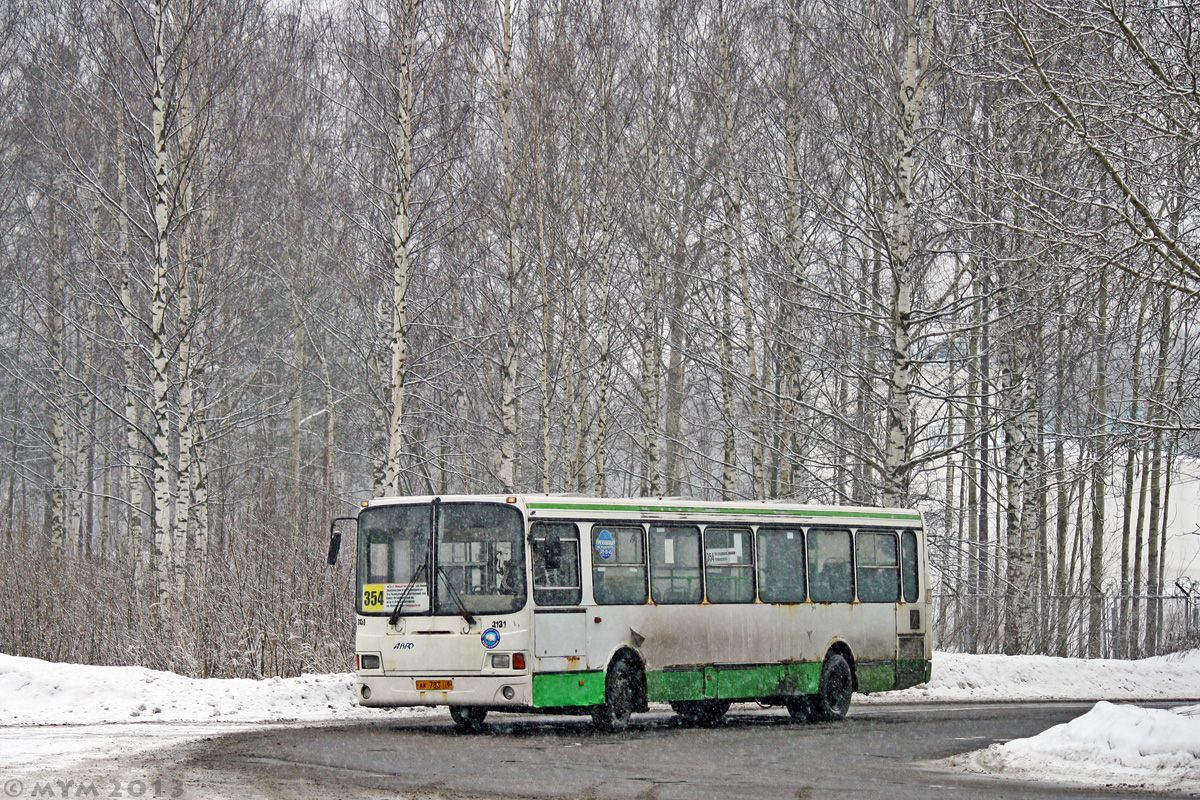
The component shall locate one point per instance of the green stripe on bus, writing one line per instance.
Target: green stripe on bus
(762, 512)
(760, 681)
(559, 689)
(877, 677)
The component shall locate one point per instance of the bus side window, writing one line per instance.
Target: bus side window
(618, 564)
(912, 585)
(831, 577)
(556, 564)
(878, 567)
(675, 564)
(729, 565)
(781, 576)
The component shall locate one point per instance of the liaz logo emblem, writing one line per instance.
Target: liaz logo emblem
(490, 638)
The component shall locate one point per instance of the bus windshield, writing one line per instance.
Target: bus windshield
(480, 559)
(481, 556)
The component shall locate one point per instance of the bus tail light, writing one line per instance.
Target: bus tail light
(518, 661)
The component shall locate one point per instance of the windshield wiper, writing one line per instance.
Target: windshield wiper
(462, 607)
(398, 610)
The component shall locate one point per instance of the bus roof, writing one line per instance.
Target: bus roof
(563, 506)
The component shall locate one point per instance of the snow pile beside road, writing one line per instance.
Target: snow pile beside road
(1116, 746)
(36, 692)
(959, 677)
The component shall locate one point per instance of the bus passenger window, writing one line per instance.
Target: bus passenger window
(728, 565)
(556, 564)
(912, 586)
(830, 579)
(618, 564)
(878, 567)
(675, 564)
(781, 565)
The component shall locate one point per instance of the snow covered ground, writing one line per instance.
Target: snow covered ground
(1124, 746)
(62, 715)
(959, 677)
(35, 692)
(58, 715)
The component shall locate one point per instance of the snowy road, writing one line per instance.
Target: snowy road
(881, 751)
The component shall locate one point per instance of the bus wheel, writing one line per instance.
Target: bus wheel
(800, 708)
(704, 713)
(468, 719)
(832, 702)
(613, 715)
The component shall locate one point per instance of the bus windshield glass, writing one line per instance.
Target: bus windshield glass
(480, 558)
(393, 555)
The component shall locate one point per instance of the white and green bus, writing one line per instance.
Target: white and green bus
(601, 606)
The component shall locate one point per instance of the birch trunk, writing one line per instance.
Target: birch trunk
(676, 364)
(547, 333)
(651, 370)
(729, 443)
(1156, 526)
(403, 32)
(733, 239)
(187, 432)
(160, 381)
(1099, 473)
(508, 390)
(604, 370)
(56, 344)
(897, 469)
(1129, 476)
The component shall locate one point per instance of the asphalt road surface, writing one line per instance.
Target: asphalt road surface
(877, 752)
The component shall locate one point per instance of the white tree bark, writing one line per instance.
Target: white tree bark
(733, 239)
(508, 389)
(403, 27)
(160, 380)
(183, 365)
(913, 85)
(56, 344)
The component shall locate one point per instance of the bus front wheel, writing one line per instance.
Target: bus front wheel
(468, 719)
(832, 701)
(619, 698)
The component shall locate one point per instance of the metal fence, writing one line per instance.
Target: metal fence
(1131, 626)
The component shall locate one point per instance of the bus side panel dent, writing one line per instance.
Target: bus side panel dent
(555, 690)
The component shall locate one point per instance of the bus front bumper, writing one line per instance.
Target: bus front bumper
(383, 691)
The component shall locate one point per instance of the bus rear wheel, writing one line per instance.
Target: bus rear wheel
(704, 713)
(832, 701)
(619, 690)
(468, 719)
(800, 708)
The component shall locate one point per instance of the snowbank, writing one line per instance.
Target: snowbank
(35, 692)
(1115, 746)
(958, 677)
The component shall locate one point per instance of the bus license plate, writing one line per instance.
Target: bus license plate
(434, 686)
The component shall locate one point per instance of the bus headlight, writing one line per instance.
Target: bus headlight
(501, 661)
(508, 693)
(368, 662)
(366, 692)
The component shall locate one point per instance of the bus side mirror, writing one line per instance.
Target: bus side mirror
(335, 538)
(335, 544)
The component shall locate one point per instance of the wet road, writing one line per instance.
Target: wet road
(878, 752)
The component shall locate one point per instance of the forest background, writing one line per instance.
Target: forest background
(260, 260)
